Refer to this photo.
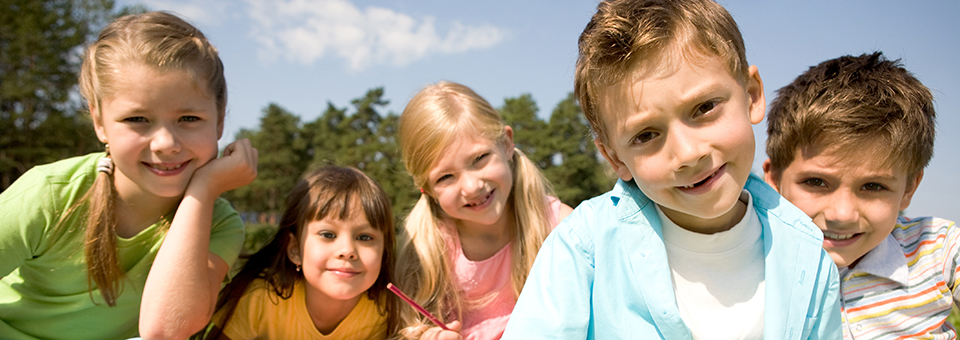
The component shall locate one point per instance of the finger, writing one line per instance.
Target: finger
(227, 151)
(251, 151)
(430, 333)
(241, 148)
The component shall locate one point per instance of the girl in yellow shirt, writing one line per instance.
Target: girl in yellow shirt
(325, 273)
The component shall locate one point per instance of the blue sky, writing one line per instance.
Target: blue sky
(302, 54)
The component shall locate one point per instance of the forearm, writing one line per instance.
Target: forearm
(182, 286)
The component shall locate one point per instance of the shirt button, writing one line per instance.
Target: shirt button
(859, 327)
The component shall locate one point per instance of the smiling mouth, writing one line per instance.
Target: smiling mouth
(482, 200)
(165, 168)
(838, 237)
(694, 185)
(344, 272)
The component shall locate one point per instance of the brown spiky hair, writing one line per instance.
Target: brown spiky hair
(625, 33)
(858, 104)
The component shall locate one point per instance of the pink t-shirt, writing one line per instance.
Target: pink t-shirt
(480, 280)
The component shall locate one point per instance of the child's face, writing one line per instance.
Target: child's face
(684, 133)
(340, 259)
(472, 180)
(854, 200)
(161, 126)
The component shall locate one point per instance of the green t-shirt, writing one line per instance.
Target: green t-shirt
(44, 290)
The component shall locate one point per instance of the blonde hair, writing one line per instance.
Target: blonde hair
(437, 115)
(624, 33)
(158, 40)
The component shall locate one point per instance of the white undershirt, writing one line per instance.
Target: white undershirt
(718, 278)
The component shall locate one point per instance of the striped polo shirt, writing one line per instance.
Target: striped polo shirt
(904, 288)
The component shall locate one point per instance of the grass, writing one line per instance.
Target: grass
(954, 318)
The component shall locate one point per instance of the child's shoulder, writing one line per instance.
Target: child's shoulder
(625, 198)
(609, 216)
(62, 181)
(66, 166)
(261, 291)
(65, 170)
(927, 229)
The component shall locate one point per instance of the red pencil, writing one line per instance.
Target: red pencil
(409, 301)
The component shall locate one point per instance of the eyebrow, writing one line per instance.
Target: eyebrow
(819, 172)
(473, 153)
(692, 97)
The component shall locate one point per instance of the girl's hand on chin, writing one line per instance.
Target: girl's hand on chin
(437, 333)
(236, 168)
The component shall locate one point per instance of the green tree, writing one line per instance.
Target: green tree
(282, 159)
(323, 136)
(390, 172)
(40, 47)
(529, 131)
(576, 171)
(365, 139)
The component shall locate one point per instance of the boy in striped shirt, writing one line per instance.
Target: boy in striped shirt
(848, 141)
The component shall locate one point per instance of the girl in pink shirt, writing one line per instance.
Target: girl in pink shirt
(485, 208)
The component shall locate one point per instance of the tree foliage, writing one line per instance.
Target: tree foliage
(41, 115)
(576, 171)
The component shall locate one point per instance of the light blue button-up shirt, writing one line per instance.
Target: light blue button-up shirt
(603, 274)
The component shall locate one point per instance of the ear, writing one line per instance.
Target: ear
(508, 145)
(220, 129)
(758, 103)
(293, 250)
(611, 155)
(97, 123)
(912, 184)
(769, 176)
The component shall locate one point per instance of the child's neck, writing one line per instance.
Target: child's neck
(480, 242)
(710, 225)
(327, 313)
(138, 212)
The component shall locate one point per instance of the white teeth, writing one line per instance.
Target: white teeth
(484, 200)
(698, 183)
(838, 237)
(166, 168)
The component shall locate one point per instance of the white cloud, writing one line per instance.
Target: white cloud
(304, 31)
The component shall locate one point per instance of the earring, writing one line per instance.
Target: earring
(298, 268)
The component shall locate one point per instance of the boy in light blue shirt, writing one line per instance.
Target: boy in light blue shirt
(688, 244)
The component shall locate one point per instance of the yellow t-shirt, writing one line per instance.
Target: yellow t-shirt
(261, 314)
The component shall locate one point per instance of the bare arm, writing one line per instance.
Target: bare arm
(182, 287)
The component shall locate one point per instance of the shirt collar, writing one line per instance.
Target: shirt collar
(886, 260)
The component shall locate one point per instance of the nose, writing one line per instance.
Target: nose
(471, 183)
(165, 141)
(688, 150)
(346, 249)
(841, 209)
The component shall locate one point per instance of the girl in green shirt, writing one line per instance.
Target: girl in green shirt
(136, 239)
